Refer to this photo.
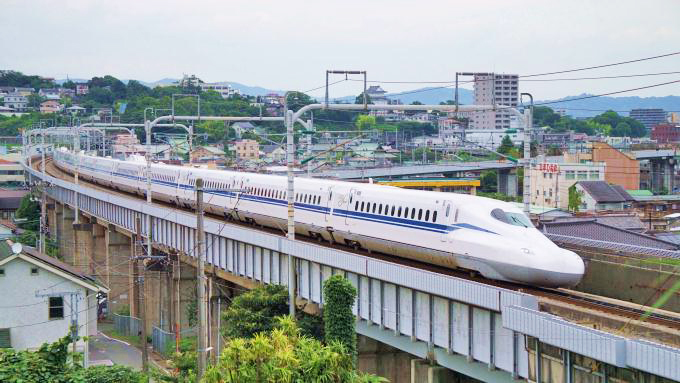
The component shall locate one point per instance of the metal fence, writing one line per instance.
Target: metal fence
(126, 325)
(163, 342)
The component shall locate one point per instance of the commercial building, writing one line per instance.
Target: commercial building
(649, 117)
(11, 172)
(550, 182)
(498, 89)
(666, 133)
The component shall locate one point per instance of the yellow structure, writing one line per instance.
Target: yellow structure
(451, 185)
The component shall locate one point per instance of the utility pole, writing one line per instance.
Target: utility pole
(290, 153)
(200, 247)
(139, 279)
(528, 130)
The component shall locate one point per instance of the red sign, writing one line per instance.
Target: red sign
(549, 168)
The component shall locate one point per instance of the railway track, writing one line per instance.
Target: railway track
(605, 305)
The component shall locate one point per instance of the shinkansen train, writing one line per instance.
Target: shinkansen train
(487, 236)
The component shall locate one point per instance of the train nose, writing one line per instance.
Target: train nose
(572, 271)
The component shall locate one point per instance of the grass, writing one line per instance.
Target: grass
(108, 329)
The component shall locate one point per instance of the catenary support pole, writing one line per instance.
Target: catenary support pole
(200, 281)
(290, 153)
(528, 131)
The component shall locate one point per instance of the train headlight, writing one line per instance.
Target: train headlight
(527, 251)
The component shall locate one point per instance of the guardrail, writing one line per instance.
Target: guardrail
(126, 325)
(163, 342)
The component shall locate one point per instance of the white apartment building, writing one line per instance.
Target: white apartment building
(225, 90)
(492, 138)
(499, 89)
(550, 181)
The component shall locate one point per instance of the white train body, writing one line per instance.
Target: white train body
(491, 237)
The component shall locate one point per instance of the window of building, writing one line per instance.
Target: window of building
(2, 272)
(582, 175)
(569, 174)
(5, 339)
(56, 308)
(594, 174)
(34, 271)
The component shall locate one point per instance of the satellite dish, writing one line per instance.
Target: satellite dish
(16, 248)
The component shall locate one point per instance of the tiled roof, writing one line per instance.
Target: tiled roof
(593, 234)
(601, 192)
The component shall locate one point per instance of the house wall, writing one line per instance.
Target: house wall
(19, 289)
(621, 169)
(543, 183)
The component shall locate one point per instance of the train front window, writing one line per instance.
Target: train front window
(516, 219)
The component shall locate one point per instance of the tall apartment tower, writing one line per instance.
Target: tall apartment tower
(491, 88)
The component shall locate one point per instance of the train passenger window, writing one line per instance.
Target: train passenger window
(374, 206)
(413, 213)
(420, 214)
(362, 206)
(392, 213)
(434, 216)
(427, 215)
(356, 205)
(380, 209)
(448, 210)
(399, 212)
(406, 212)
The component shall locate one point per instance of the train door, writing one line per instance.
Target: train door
(448, 218)
(329, 204)
(350, 204)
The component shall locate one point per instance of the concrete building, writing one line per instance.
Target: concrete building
(247, 149)
(10, 173)
(449, 129)
(16, 101)
(41, 296)
(666, 133)
(623, 169)
(24, 91)
(225, 90)
(550, 182)
(649, 117)
(50, 106)
(600, 195)
(499, 89)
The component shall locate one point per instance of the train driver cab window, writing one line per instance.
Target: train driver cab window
(516, 219)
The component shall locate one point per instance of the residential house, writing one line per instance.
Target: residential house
(10, 200)
(42, 298)
(82, 89)
(66, 92)
(242, 127)
(204, 154)
(247, 149)
(50, 106)
(225, 90)
(76, 109)
(16, 101)
(24, 91)
(49, 93)
(600, 195)
(654, 210)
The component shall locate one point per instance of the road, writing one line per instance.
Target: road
(107, 351)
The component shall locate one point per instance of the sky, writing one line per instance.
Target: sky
(289, 45)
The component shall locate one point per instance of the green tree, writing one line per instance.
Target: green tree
(253, 311)
(297, 100)
(599, 128)
(365, 122)
(418, 154)
(574, 199)
(545, 116)
(285, 355)
(507, 147)
(360, 99)
(29, 213)
(34, 100)
(339, 296)
(489, 181)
